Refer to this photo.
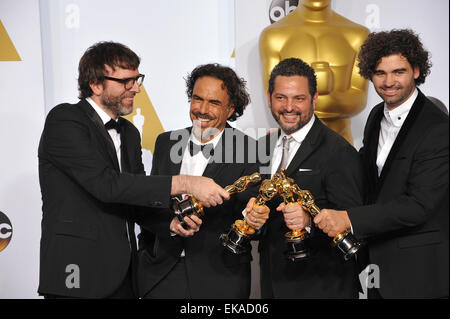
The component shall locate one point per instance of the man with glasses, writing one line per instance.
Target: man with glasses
(94, 186)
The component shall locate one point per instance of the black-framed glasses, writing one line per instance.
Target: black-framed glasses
(128, 83)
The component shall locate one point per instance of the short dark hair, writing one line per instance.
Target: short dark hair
(91, 68)
(236, 87)
(385, 43)
(292, 67)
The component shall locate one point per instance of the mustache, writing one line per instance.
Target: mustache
(292, 112)
(204, 116)
(384, 87)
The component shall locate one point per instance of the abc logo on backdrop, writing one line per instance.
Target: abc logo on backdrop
(5, 231)
(281, 8)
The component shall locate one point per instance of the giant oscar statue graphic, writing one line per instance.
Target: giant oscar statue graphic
(330, 44)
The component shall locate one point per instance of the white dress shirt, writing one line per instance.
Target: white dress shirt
(195, 165)
(390, 125)
(297, 138)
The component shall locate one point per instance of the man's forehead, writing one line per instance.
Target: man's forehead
(394, 60)
(207, 82)
(119, 69)
(295, 83)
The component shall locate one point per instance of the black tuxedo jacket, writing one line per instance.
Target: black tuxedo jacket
(328, 166)
(213, 272)
(87, 202)
(406, 219)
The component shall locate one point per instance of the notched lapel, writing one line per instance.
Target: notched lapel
(309, 144)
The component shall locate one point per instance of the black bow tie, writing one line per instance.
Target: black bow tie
(116, 125)
(206, 149)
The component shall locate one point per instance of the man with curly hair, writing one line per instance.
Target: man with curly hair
(405, 155)
(199, 266)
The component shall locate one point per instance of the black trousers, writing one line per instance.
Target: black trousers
(174, 286)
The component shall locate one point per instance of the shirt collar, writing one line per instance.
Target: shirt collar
(214, 141)
(103, 115)
(300, 134)
(398, 115)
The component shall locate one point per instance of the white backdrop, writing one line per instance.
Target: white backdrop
(171, 37)
(21, 121)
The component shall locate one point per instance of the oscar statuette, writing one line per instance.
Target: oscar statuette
(237, 240)
(345, 240)
(191, 206)
(295, 239)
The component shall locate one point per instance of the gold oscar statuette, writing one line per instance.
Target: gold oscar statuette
(237, 240)
(345, 240)
(191, 206)
(295, 239)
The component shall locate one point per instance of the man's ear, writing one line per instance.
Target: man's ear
(315, 97)
(97, 88)
(230, 111)
(416, 72)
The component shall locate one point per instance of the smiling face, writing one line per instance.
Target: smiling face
(291, 104)
(393, 79)
(210, 108)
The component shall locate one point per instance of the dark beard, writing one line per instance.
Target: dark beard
(299, 125)
(115, 104)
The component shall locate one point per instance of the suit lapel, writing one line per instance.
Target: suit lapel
(268, 143)
(403, 133)
(104, 136)
(309, 144)
(124, 153)
(168, 165)
(371, 149)
(215, 167)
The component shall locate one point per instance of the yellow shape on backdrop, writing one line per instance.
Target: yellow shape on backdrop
(146, 120)
(7, 50)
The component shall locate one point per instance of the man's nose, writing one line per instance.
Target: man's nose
(389, 80)
(135, 88)
(289, 106)
(203, 107)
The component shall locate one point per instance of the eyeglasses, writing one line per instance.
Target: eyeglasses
(128, 82)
